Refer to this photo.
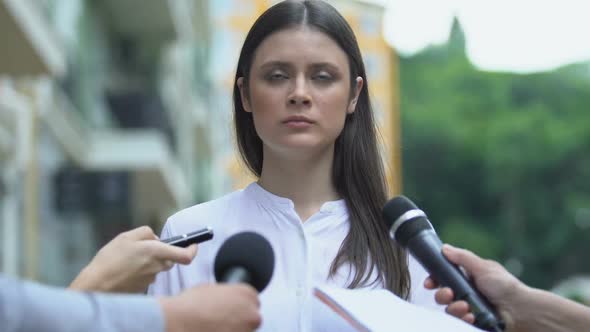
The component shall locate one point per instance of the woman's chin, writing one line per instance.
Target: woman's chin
(301, 148)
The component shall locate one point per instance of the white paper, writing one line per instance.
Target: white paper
(380, 310)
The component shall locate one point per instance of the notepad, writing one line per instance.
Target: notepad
(380, 310)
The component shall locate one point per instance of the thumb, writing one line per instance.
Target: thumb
(473, 264)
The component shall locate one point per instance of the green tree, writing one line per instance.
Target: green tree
(500, 161)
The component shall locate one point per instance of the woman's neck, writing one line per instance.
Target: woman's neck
(307, 182)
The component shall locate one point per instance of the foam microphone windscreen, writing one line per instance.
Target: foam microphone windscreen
(250, 251)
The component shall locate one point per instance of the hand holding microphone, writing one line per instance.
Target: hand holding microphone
(220, 308)
(244, 264)
(409, 226)
(500, 287)
(523, 308)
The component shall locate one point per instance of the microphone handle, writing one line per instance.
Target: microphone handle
(236, 275)
(426, 247)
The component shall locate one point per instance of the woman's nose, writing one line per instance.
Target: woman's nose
(300, 94)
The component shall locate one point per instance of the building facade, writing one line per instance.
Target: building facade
(116, 113)
(103, 125)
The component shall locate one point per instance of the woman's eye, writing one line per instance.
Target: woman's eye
(323, 77)
(276, 76)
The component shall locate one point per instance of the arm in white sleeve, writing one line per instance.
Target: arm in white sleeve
(26, 306)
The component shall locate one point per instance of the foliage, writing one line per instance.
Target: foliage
(500, 161)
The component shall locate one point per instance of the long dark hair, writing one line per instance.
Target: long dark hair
(357, 171)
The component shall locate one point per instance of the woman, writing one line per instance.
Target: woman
(305, 128)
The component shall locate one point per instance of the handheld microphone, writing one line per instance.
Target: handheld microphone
(245, 257)
(410, 227)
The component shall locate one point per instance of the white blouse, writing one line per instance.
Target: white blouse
(303, 255)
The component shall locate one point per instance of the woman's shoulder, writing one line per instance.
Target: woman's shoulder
(205, 214)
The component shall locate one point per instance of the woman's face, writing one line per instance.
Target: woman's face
(299, 91)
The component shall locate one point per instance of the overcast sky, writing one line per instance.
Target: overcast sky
(504, 35)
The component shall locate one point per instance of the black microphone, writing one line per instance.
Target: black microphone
(245, 257)
(410, 227)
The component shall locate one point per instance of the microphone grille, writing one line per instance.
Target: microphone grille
(395, 208)
(404, 219)
(250, 251)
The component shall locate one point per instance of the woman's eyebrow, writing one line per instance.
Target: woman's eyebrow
(276, 63)
(324, 65)
(285, 64)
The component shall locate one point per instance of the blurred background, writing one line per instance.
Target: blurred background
(117, 113)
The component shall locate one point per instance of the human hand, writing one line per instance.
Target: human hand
(130, 262)
(212, 308)
(500, 287)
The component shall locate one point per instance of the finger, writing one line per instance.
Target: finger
(469, 318)
(165, 251)
(444, 296)
(458, 309)
(144, 283)
(249, 292)
(255, 321)
(167, 265)
(193, 250)
(430, 283)
(135, 285)
(472, 263)
(140, 233)
(153, 267)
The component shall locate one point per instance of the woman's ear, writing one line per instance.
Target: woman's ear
(357, 91)
(243, 94)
